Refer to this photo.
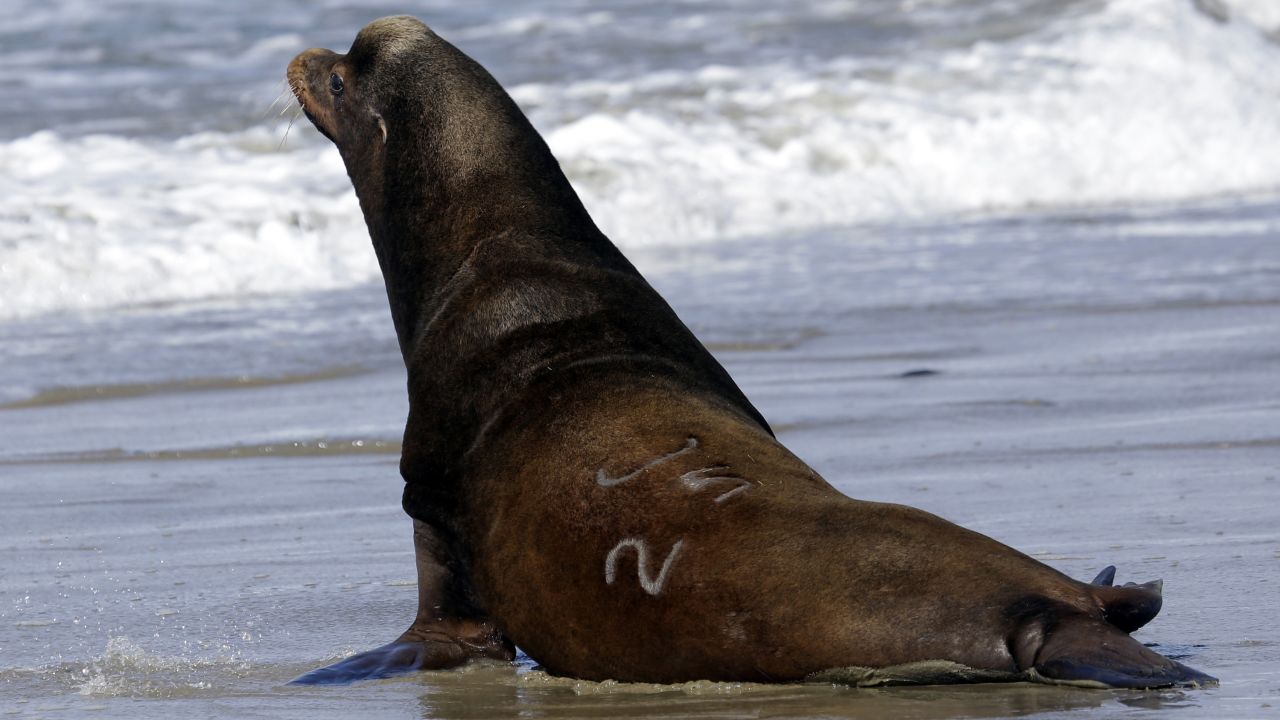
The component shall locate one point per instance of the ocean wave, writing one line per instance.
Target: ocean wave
(1139, 101)
(1148, 100)
(101, 221)
(1263, 13)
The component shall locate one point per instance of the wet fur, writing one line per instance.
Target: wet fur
(539, 360)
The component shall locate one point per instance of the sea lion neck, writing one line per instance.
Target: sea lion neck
(461, 167)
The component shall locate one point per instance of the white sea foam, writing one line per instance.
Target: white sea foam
(101, 221)
(126, 669)
(1143, 100)
(1263, 13)
(1149, 100)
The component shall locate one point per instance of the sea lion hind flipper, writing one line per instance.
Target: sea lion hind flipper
(1106, 578)
(1130, 606)
(1082, 650)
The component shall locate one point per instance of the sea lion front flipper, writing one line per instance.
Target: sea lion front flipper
(448, 630)
(1079, 649)
(432, 650)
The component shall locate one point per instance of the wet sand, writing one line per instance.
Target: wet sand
(184, 550)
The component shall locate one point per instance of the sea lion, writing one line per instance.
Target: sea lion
(587, 482)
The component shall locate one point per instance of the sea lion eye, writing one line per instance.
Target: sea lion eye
(335, 84)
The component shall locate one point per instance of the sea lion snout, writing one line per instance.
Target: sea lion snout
(309, 73)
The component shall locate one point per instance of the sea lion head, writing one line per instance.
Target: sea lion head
(440, 156)
(353, 98)
(436, 149)
(404, 97)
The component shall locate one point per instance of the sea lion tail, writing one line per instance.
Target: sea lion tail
(1078, 649)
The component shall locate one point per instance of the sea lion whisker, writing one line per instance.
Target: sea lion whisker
(289, 127)
(285, 92)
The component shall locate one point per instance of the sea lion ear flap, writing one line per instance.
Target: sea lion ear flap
(1083, 650)
(382, 125)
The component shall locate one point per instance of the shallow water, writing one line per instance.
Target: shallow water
(190, 546)
(1066, 212)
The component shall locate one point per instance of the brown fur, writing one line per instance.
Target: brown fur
(564, 425)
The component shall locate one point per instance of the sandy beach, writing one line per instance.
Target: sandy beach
(1014, 263)
(186, 547)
